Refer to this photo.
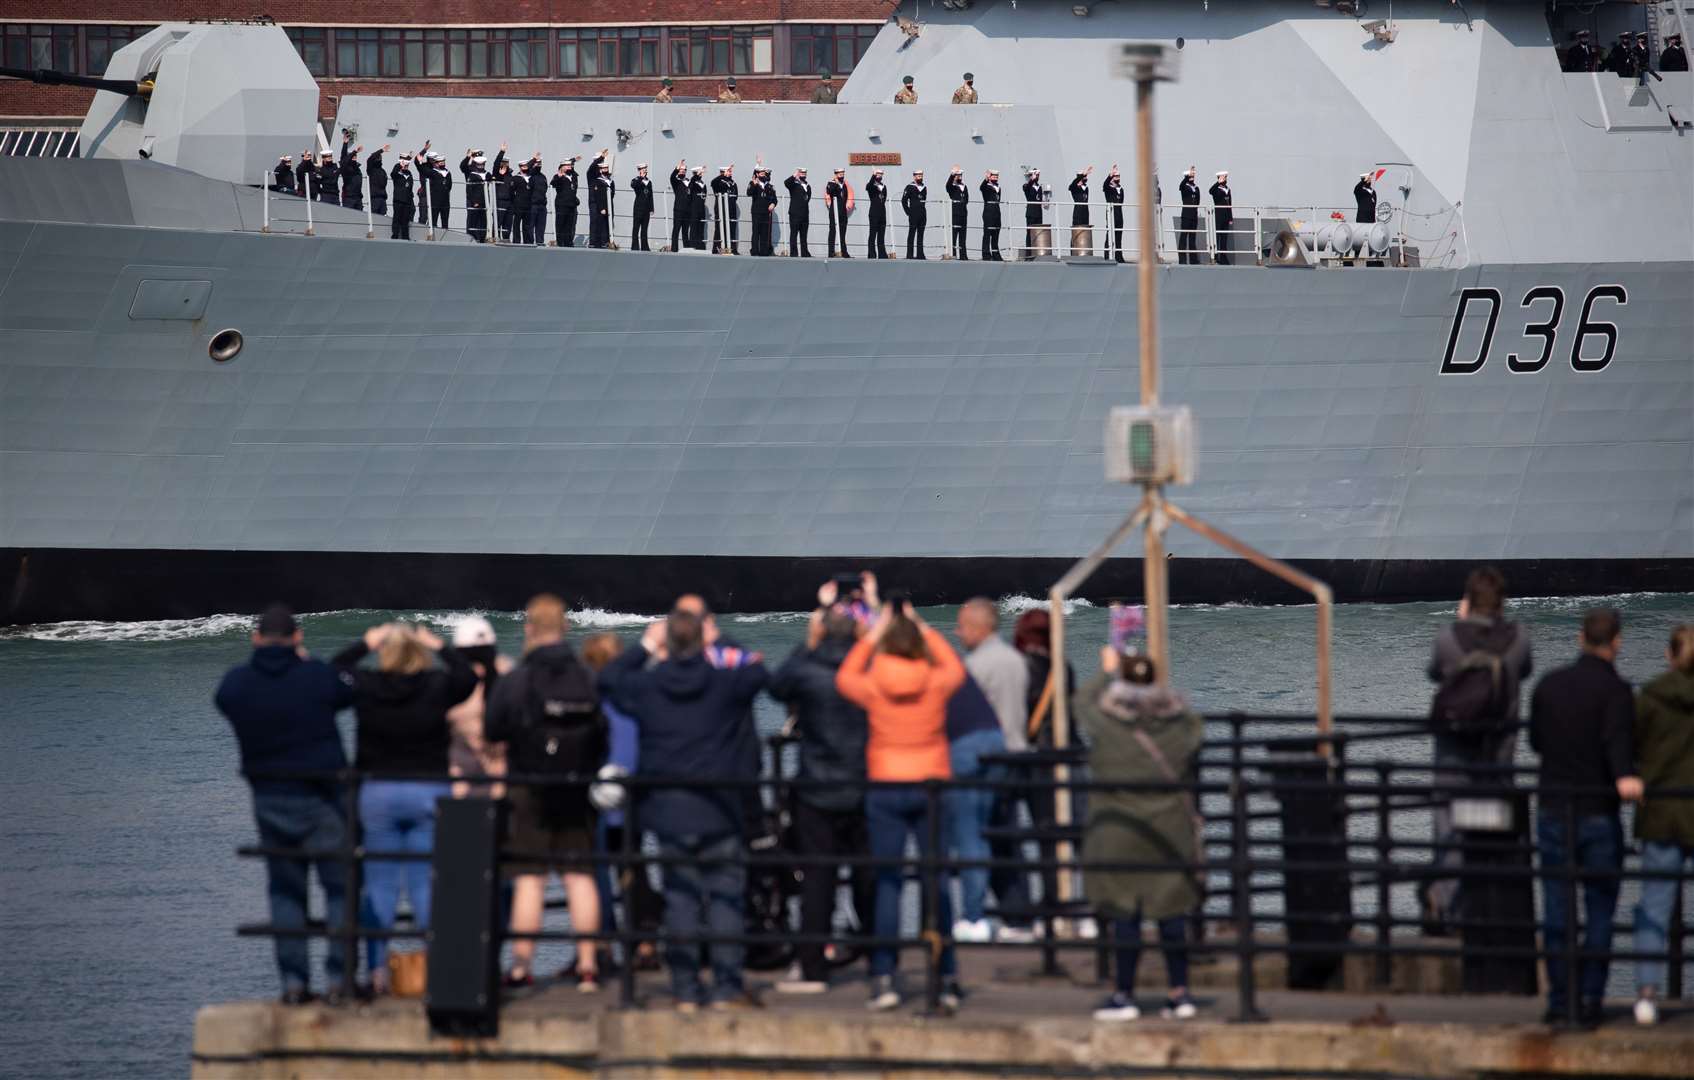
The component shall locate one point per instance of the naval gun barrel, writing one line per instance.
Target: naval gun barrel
(49, 77)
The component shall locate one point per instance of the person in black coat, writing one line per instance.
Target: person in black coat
(832, 733)
(420, 162)
(400, 222)
(501, 180)
(473, 167)
(726, 197)
(876, 245)
(352, 177)
(761, 194)
(1082, 235)
(1643, 53)
(440, 191)
(914, 201)
(1188, 228)
(990, 191)
(378, 178)
(1224, 216)
(1620, 61)
(283, 184)
(1582, 55)
(599, 202)
(697, 208)
(1032, 201)
(960, 197)
(537, 201)
(522, 230)
(679, 204)
(329, 179)
(835, 205)
(305, 177)
(799, 203)
(1112, 191)
(1673, 58)
(566, 199)
(641, 210)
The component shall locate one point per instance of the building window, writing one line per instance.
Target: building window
(835, 49)
(720, 50)
(585, 53)
(357, 52)
(751, 52)
(312, 43)
(39, 45)
(100, 42)
(638, 52)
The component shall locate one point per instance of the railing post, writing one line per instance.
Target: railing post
(266, 227)
(352, 850)
(370, 228)
(1677, 935)
(308, 201)
(1240, 873)
(932, 896)
(1384, 853)
(1573, 974)
(626, 901)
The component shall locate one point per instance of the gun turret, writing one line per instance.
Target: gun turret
(49, 77)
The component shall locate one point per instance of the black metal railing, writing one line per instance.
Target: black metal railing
(1244, 859)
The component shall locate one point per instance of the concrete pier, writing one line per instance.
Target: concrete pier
(1011, 1026)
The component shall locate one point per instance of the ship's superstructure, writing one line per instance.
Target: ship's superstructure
(448, 423)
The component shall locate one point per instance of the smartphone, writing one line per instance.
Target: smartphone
(898, 599)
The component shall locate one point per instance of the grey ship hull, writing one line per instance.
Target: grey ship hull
(445, 425)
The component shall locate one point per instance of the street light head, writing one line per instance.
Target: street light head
(1146, 61)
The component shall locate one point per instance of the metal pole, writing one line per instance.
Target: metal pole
(370, 229)
(308, 193)
(352, 850)
(626, 928)
(266, 227)
(1384, 855)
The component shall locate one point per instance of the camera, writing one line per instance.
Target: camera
(898, 599)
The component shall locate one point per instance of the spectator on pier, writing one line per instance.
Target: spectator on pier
(1580, 722)
(902, 673)
(832, 733)
(547, 712)
(403, 730)
(1142, 732)
(282, 705)
(973, 732)
(1664, 747)
(690, 716)
(1479, 662)
(1032, 637)
(470, 753)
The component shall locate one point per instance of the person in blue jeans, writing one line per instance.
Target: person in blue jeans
(1580, 722)
(1664, 748)
(403, 730)
(282, 706)
(973, 732)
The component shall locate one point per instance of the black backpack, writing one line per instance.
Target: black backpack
(564, 735)
(1474, 697)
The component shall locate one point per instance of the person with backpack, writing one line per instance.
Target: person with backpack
(1664, 748)
(691, 717)
(1479, 663)
(1139, 731)
(547, 712)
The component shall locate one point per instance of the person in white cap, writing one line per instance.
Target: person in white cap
(1364, 194)
(468, 753)
(697, 208)
(990, 191)
(799, 203)
(725, 198)
(474, 168)
(837, 200)
(566, 199)
(284, 184)
(959, 196)
(1188, 226)
(600, 191)
(914, 201)
(761, 194)
(1111, 189)
(642, 210)
(420, 161)
(1082, 235)
(1032, 203)
(876, 246)
(1224, 217)
(329, 179)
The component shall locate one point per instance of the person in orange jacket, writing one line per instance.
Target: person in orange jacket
(901, 673)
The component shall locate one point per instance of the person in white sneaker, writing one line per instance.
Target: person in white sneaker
(1664, 752)
(1141, 732)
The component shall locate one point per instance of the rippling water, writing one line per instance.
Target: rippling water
(119, 890)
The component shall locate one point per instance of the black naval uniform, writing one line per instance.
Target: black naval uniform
(352, 180)
(1581, 56)
(329, 183)
(876, 246)
(761, 216)
(518, 185)
(565, 203)
(835, 204)
(912, 201)
(378, 177)
(599, 205)
(476, 199)
(1225, 219)
(1031, 213)
(1365, 195)
(1621, 60)
(697, 212)
(990, 190)
(1188, 231)
(400, 222)
(960, 197)
(440, 194)
(799, 198)
(502, 200)
(284, 184)
(1079, 212)
(1112, 190)
(1673, 59)
(1643, 57)
(304, 178)
(421, 161)
(641, 212)
(538, 203)
(679, 207)
(728, 202)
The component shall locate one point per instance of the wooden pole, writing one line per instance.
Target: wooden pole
(1155, 573)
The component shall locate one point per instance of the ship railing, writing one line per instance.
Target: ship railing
(1111, 231)
(1313, 846)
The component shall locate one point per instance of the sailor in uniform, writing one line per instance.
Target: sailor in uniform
(876, 245)
(306, 176)
(1673, 58)
(1188, 228)
(761, 213)
(1364, 194)
(679, 204)
(352, 179)
(960, 197)
(990, 191)
(799, 200)
(400, 222)
(835, 196)
(1621, 60)
(284, 184)
(501, 178)
(966, 94)
(421, 161)
(906, 95)
(567, 197)
(1112, 191)
(1082, 235)
(379, 180)
(474, 168)
(329, 179)
(1031, 213)
(697, 208)
(537, 200)
(726, 199)
(599, 202)
(642, 209)
(517, 188)
(1643, 53)
(1581, 56)
(913, 201)
(1224, 216)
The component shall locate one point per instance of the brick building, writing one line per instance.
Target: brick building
(473, 48)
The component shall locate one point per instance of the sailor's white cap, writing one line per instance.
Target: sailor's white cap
(725, 168)
(699, 168)
(435, 155)
(471, 631)
(479, 160)
(641, 165)
(1223, 172)
(288, 157)
(1365, 175)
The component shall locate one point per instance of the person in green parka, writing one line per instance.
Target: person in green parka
(1141, 732)
(1664, 752)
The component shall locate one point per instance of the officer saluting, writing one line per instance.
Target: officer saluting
(1031, 212)
(912, 201)
(474, 168)
(1188, 229)
(990, 190)
(799, 198)
(679, 204)
(329, 190)
(642, 208)
(697, 208)
(760, 210)
(726, 227)
(284, 184)
(876, 246)
(352, 179)
(1112, 191)
(1082, 236)
(960, 197)
(1673, 58)
(1364, 193)
(537, 200)
(567, 197)
(966, 94)
(379, 180)
(599, 202)
(1222, 200)
(400, 223)
(835, 196)
(906, 95)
